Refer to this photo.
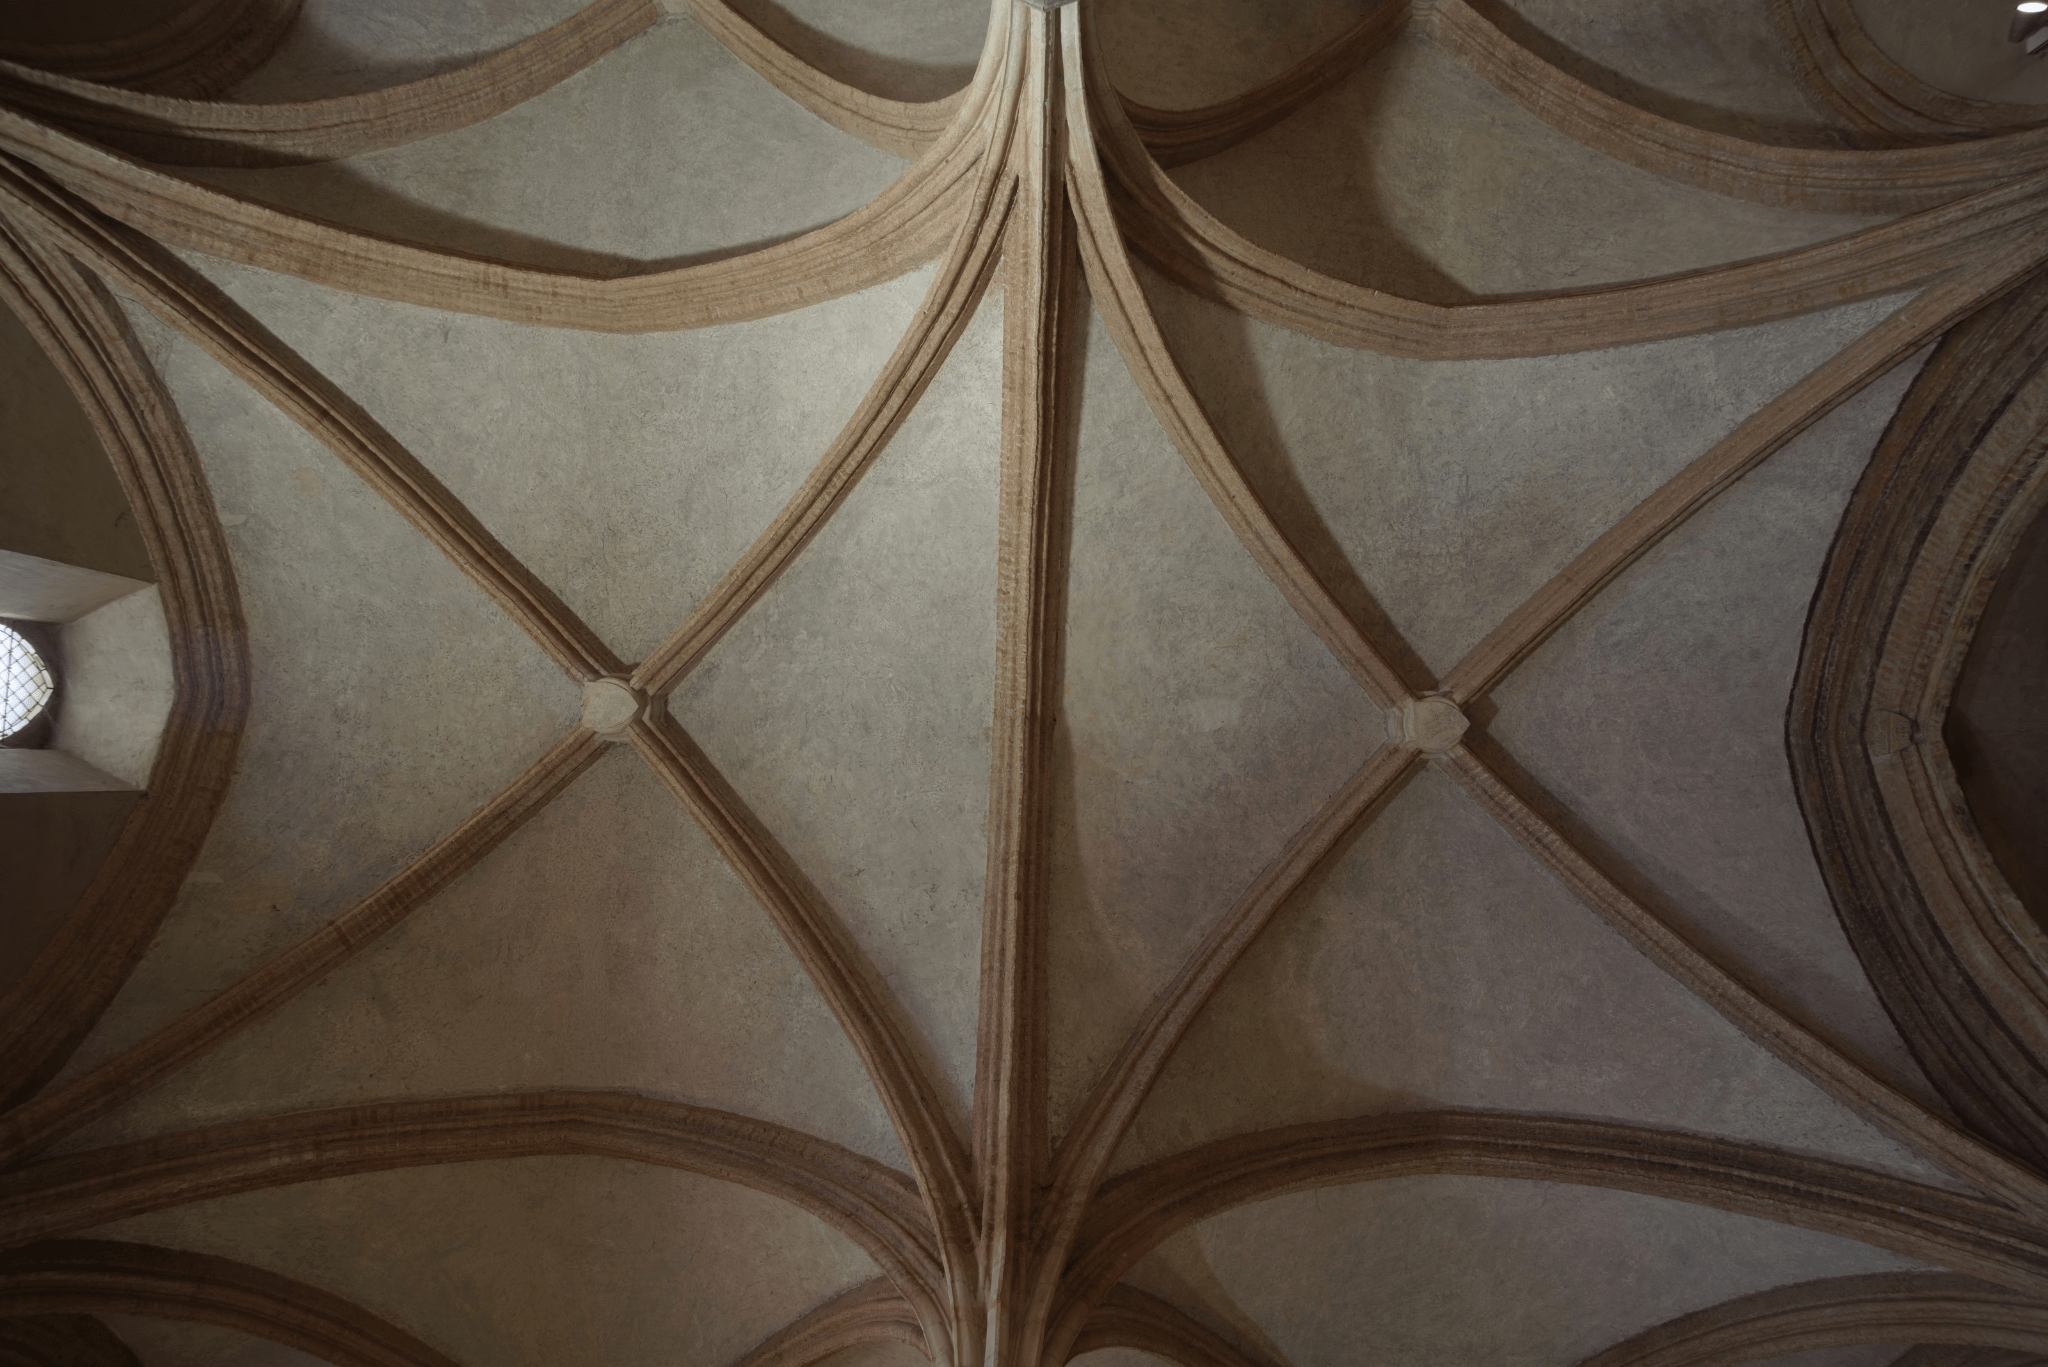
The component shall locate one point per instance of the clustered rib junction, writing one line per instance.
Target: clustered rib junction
(998, 1246)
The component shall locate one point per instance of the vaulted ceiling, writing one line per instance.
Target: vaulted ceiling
(876, 680)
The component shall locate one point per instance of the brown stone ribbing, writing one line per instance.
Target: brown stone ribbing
(1846, 72)
(1953, 479)
(1839, 1312)
(1140, 1209)
(207, 317)
(873, 1312)
(199, 51)
(70, 1276)
(1879, 181)
(42, 1121)
(184, 132)
(47, 1012)
(1130, 1318)
(906, 225)
(872, 1205)
(828, 954)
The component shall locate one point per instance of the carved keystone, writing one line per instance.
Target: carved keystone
(611, 705)
(1431, 724)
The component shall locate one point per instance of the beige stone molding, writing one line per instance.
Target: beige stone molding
(1841, 1312)
(1877, 181)
(48, 1010)
(1139, 1209)
(873, 1312)
(201, 50)
(995, 1247)
(92, 1276)
(1947, 1355)
(872, 1205)
(1960, 964)
(164, 129)
(1849, 73)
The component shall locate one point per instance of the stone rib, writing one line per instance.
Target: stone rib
(873, 1312)
(1140, 1209)
(167, 130)
(44, 1120)
(1759, 436)
(206, 316)
(91, 1276)
(1130, 1318)
(47, 1012)
(1839, 1312)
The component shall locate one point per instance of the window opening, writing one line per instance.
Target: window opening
(25, 683)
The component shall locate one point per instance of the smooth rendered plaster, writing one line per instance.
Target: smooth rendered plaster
(851, 707)
(116, 663)
(667, 149)
(1437, 496)
(51, 845)
(1416, 177)
(389, 699)
(1435, 963)
(1437, 1271)
(628, 473)
(1200, 724)
(605, 944)
(1690, 787)
(537, 1262)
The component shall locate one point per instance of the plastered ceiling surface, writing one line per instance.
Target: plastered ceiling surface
(1045, 797)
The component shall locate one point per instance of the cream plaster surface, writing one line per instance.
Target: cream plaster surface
(605, 944)
(117, 685)
(539, 1262)
(1456, 1270)
(1202, 51)
(390, 698)
(851, 707)
(1416, 177)
(668, 148)
(901, 49)
(1200, 724)
(628, 473)
(185, 1343)
(1690, 786)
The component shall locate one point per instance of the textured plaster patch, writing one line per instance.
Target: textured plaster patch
(606, 944)
(1688, 783)
(628, 473)
(1416, 177)
(117, 686)
(537, 1262)
(1436, 964)
(389, 699)
(1460, 1270)
(851, 706)
(1201, 724)
(1436, 496)
(668, 147)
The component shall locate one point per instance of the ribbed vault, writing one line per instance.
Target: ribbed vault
(622, 639)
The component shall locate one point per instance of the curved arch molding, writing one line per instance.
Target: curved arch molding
(1955, 958)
